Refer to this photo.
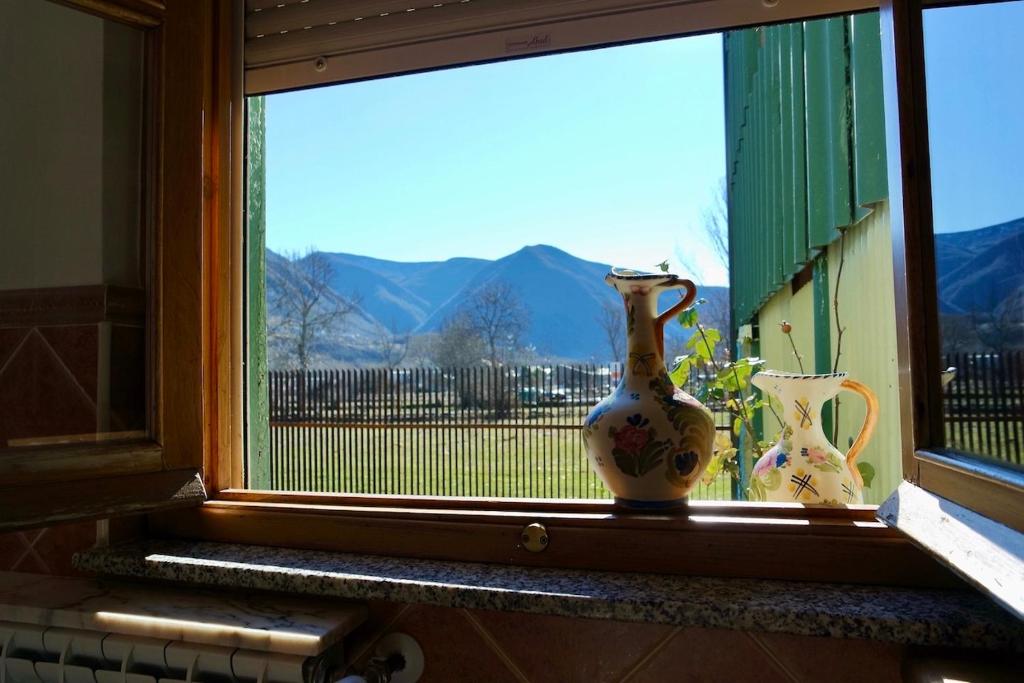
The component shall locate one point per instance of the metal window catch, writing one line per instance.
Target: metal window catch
(535, 537)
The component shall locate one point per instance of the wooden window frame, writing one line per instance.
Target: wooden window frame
(991, 490)
(40, 485)
(776, 541)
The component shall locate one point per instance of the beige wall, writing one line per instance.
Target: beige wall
(69, 145)
(867, 313)
(798, 310)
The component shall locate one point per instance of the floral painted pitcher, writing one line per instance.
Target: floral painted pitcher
(804, 467)
(648, 441)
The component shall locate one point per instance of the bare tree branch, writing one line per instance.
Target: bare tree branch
(301, 295)
(499, 317)
(612, 320)
(392, 348)
(714, 232)
(457, 344)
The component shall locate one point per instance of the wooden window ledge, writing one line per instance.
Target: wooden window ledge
(954, 618)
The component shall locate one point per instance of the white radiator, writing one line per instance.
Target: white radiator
(38, 654)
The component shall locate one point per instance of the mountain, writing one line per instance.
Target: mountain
(563, 294)
(400, 295)
(980, 270)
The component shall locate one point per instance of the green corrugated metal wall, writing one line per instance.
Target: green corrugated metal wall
(805, 145)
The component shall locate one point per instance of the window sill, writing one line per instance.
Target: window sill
(910, 616)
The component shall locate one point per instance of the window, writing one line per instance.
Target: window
(974, 497)
(199, 411)
(90, 423)
(978, 222)
(959, 413)
(73, 281)
(450, 331)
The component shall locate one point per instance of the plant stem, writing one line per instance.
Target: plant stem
(743, 405)
(777, 418)
(839, 329)
(799, 358)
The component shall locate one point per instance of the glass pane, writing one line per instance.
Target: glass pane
(976, 132)
(72, 282)
(427, 255)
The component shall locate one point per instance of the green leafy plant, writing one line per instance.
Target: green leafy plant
(712, 377)
(708, 373)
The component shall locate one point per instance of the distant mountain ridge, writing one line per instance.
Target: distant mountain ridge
(980, 270)
(564, 295)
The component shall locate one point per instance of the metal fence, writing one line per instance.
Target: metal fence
(984, 404)
(493, 432)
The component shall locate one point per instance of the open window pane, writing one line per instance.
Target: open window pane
(427, 311)
(976, 138)
(72, 280)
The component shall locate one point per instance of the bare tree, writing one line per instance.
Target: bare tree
(715, 232)
(457, 344)
(499, 317)
(714, 312)
(301, 295)
(392, 348)
(612, 320)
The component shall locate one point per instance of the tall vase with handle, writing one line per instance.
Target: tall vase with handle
(804, 467)
(648, 441)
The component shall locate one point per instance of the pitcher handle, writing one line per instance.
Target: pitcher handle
(866, 430)
(674, 310)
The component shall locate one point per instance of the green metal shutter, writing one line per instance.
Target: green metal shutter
(827, 115)
(805, 146)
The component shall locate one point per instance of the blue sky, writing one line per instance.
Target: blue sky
(974, 62)
(610, 154)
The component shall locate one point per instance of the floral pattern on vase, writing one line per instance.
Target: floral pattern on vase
(804, 467)
(648, 441)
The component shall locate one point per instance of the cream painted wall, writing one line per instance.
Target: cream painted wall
(69, 148)
(867, 305)
(798, 310)
(867, 312)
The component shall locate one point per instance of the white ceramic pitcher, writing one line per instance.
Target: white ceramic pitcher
(804, 467)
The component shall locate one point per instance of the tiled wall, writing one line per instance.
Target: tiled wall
(49, 550)
(480, 646)
(45, 551)
(72, 363)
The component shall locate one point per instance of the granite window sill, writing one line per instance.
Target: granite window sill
(929, 617)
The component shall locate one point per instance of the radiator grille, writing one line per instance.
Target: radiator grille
(37, 654)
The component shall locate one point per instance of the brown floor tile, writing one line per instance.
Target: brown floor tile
(563, 650)
(834, 659)
(712, 655)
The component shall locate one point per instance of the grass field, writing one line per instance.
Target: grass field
(508, 461)
(1001, 440)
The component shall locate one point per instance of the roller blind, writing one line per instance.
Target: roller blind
(297, 43)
